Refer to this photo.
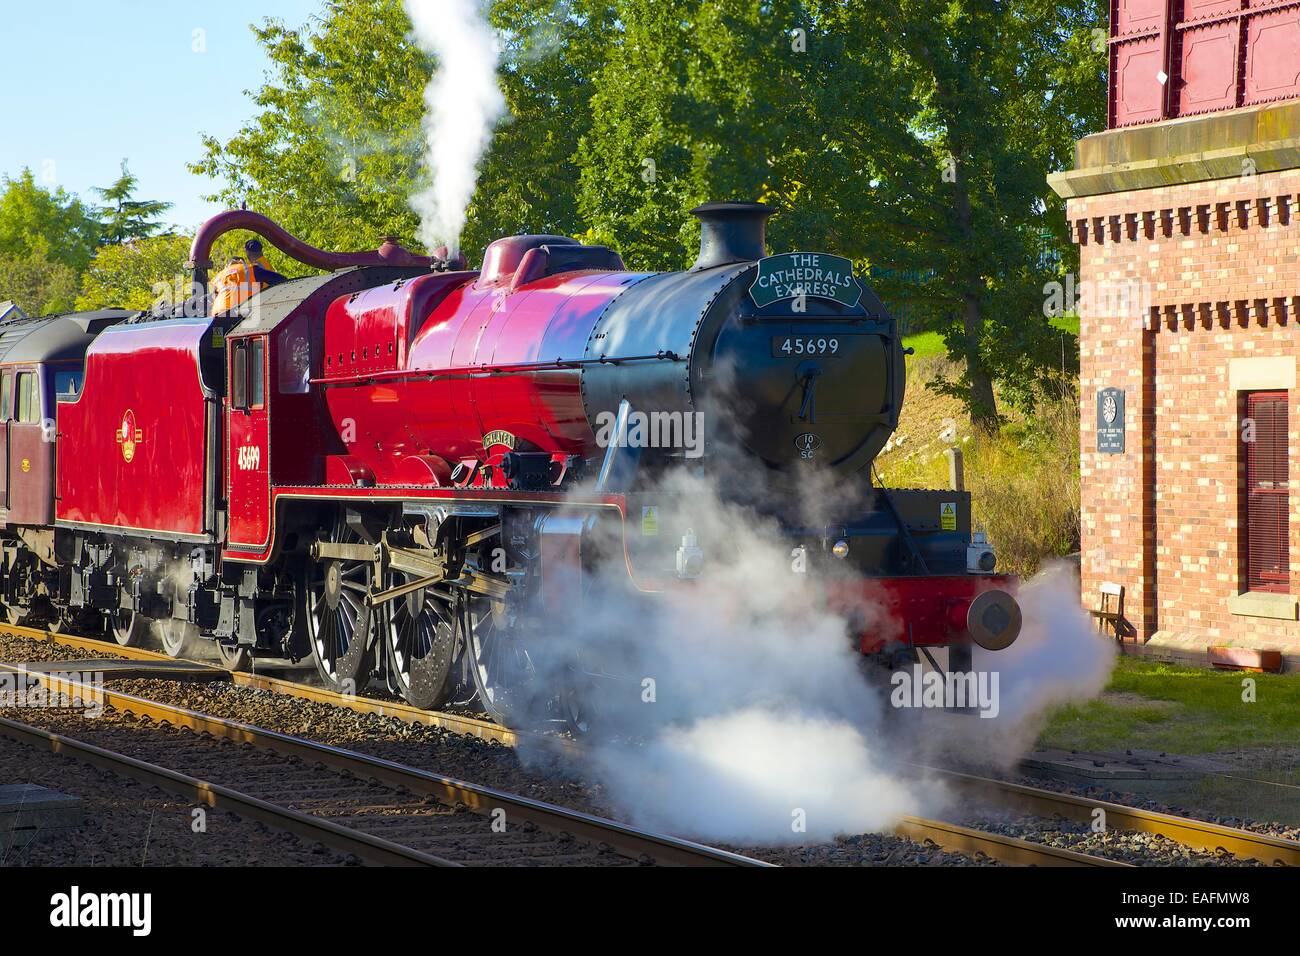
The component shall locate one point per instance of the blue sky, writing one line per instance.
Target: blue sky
(88, 84)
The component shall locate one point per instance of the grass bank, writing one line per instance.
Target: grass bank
(1024, 481)
(1153, 706)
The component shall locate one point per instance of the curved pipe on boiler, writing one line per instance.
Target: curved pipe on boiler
(388, 254)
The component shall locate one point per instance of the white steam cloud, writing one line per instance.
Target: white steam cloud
(763, 727)
(463, 103)
(1059, 658)
(758, 726)
(759, 776)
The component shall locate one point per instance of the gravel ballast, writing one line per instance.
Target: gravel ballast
(555, 779)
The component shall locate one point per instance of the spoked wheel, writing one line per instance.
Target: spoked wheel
(340, 626)
(129, 627)
(583, 701)
(234, 657)
(178, 638)
(420, 631)
(504, 672)
(81, 622)
(14, 615)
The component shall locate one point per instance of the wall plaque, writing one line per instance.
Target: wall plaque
(1110, 421)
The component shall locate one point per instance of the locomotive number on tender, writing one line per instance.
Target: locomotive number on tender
(784, 346)
(249, 457)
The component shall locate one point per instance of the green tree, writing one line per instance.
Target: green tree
(36, 284)
(913, 136)
(125, 218)
(552, 55)
(695, 102)
(44, 224)
(333, 152)
(948, 118)
(134, 275)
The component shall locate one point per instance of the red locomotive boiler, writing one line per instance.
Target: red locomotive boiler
(406, 470)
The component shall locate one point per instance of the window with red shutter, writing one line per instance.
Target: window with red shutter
(1268, 499)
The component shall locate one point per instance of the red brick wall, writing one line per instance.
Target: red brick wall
(1218, 268)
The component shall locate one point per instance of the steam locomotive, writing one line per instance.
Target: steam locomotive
(407, 471)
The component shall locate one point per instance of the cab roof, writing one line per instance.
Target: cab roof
(54, 338)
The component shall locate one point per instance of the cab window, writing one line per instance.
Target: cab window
(294, 350)
(67, 384)
(256, 373)
(239, 375)
(29, 398)
(247, 375)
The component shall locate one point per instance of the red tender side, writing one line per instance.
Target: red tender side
(134, 449)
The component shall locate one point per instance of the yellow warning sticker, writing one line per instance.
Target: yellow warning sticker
(649, 520)
(948, 516)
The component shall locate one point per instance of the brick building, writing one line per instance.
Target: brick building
(1187, 216)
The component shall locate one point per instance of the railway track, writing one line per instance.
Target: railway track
(947, 836)
(1194, 834)
(1009, 850)
(365, 846)
(382, 811)
(456, 723)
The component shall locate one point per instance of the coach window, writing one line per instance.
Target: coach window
(29, 398)
(67, 384)
(6, 397)
(257, 373)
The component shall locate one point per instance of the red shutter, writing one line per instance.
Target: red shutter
(1212, 54)
(1268, 500)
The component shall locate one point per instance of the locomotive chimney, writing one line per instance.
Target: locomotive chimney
(731, 232)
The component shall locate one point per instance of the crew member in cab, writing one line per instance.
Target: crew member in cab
(243, 278)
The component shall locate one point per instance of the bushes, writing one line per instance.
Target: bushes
(36, 284)
(1024, 484)
(1025, 487)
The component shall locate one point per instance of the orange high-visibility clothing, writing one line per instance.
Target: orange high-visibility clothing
(235, 285)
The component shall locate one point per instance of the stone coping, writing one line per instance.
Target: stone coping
(1251, 140)
(1190, 647)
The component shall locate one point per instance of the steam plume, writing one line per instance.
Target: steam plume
(463, 103)
(1058, 659)
(763, 727)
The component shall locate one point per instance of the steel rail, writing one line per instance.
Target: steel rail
(1188, 832)
(1195, 834)
(371, 849)
(1004, 849)
(456, 723)
(623, 838)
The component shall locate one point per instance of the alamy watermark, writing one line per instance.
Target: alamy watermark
(1120, 298)
(935, 690)
(76, 690)
(682, 431)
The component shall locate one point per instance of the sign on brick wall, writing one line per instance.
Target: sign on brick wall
(1110, 421)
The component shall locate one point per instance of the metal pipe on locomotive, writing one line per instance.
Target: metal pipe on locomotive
(405, 470)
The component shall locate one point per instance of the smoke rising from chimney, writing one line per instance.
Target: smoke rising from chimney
(462, 103)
